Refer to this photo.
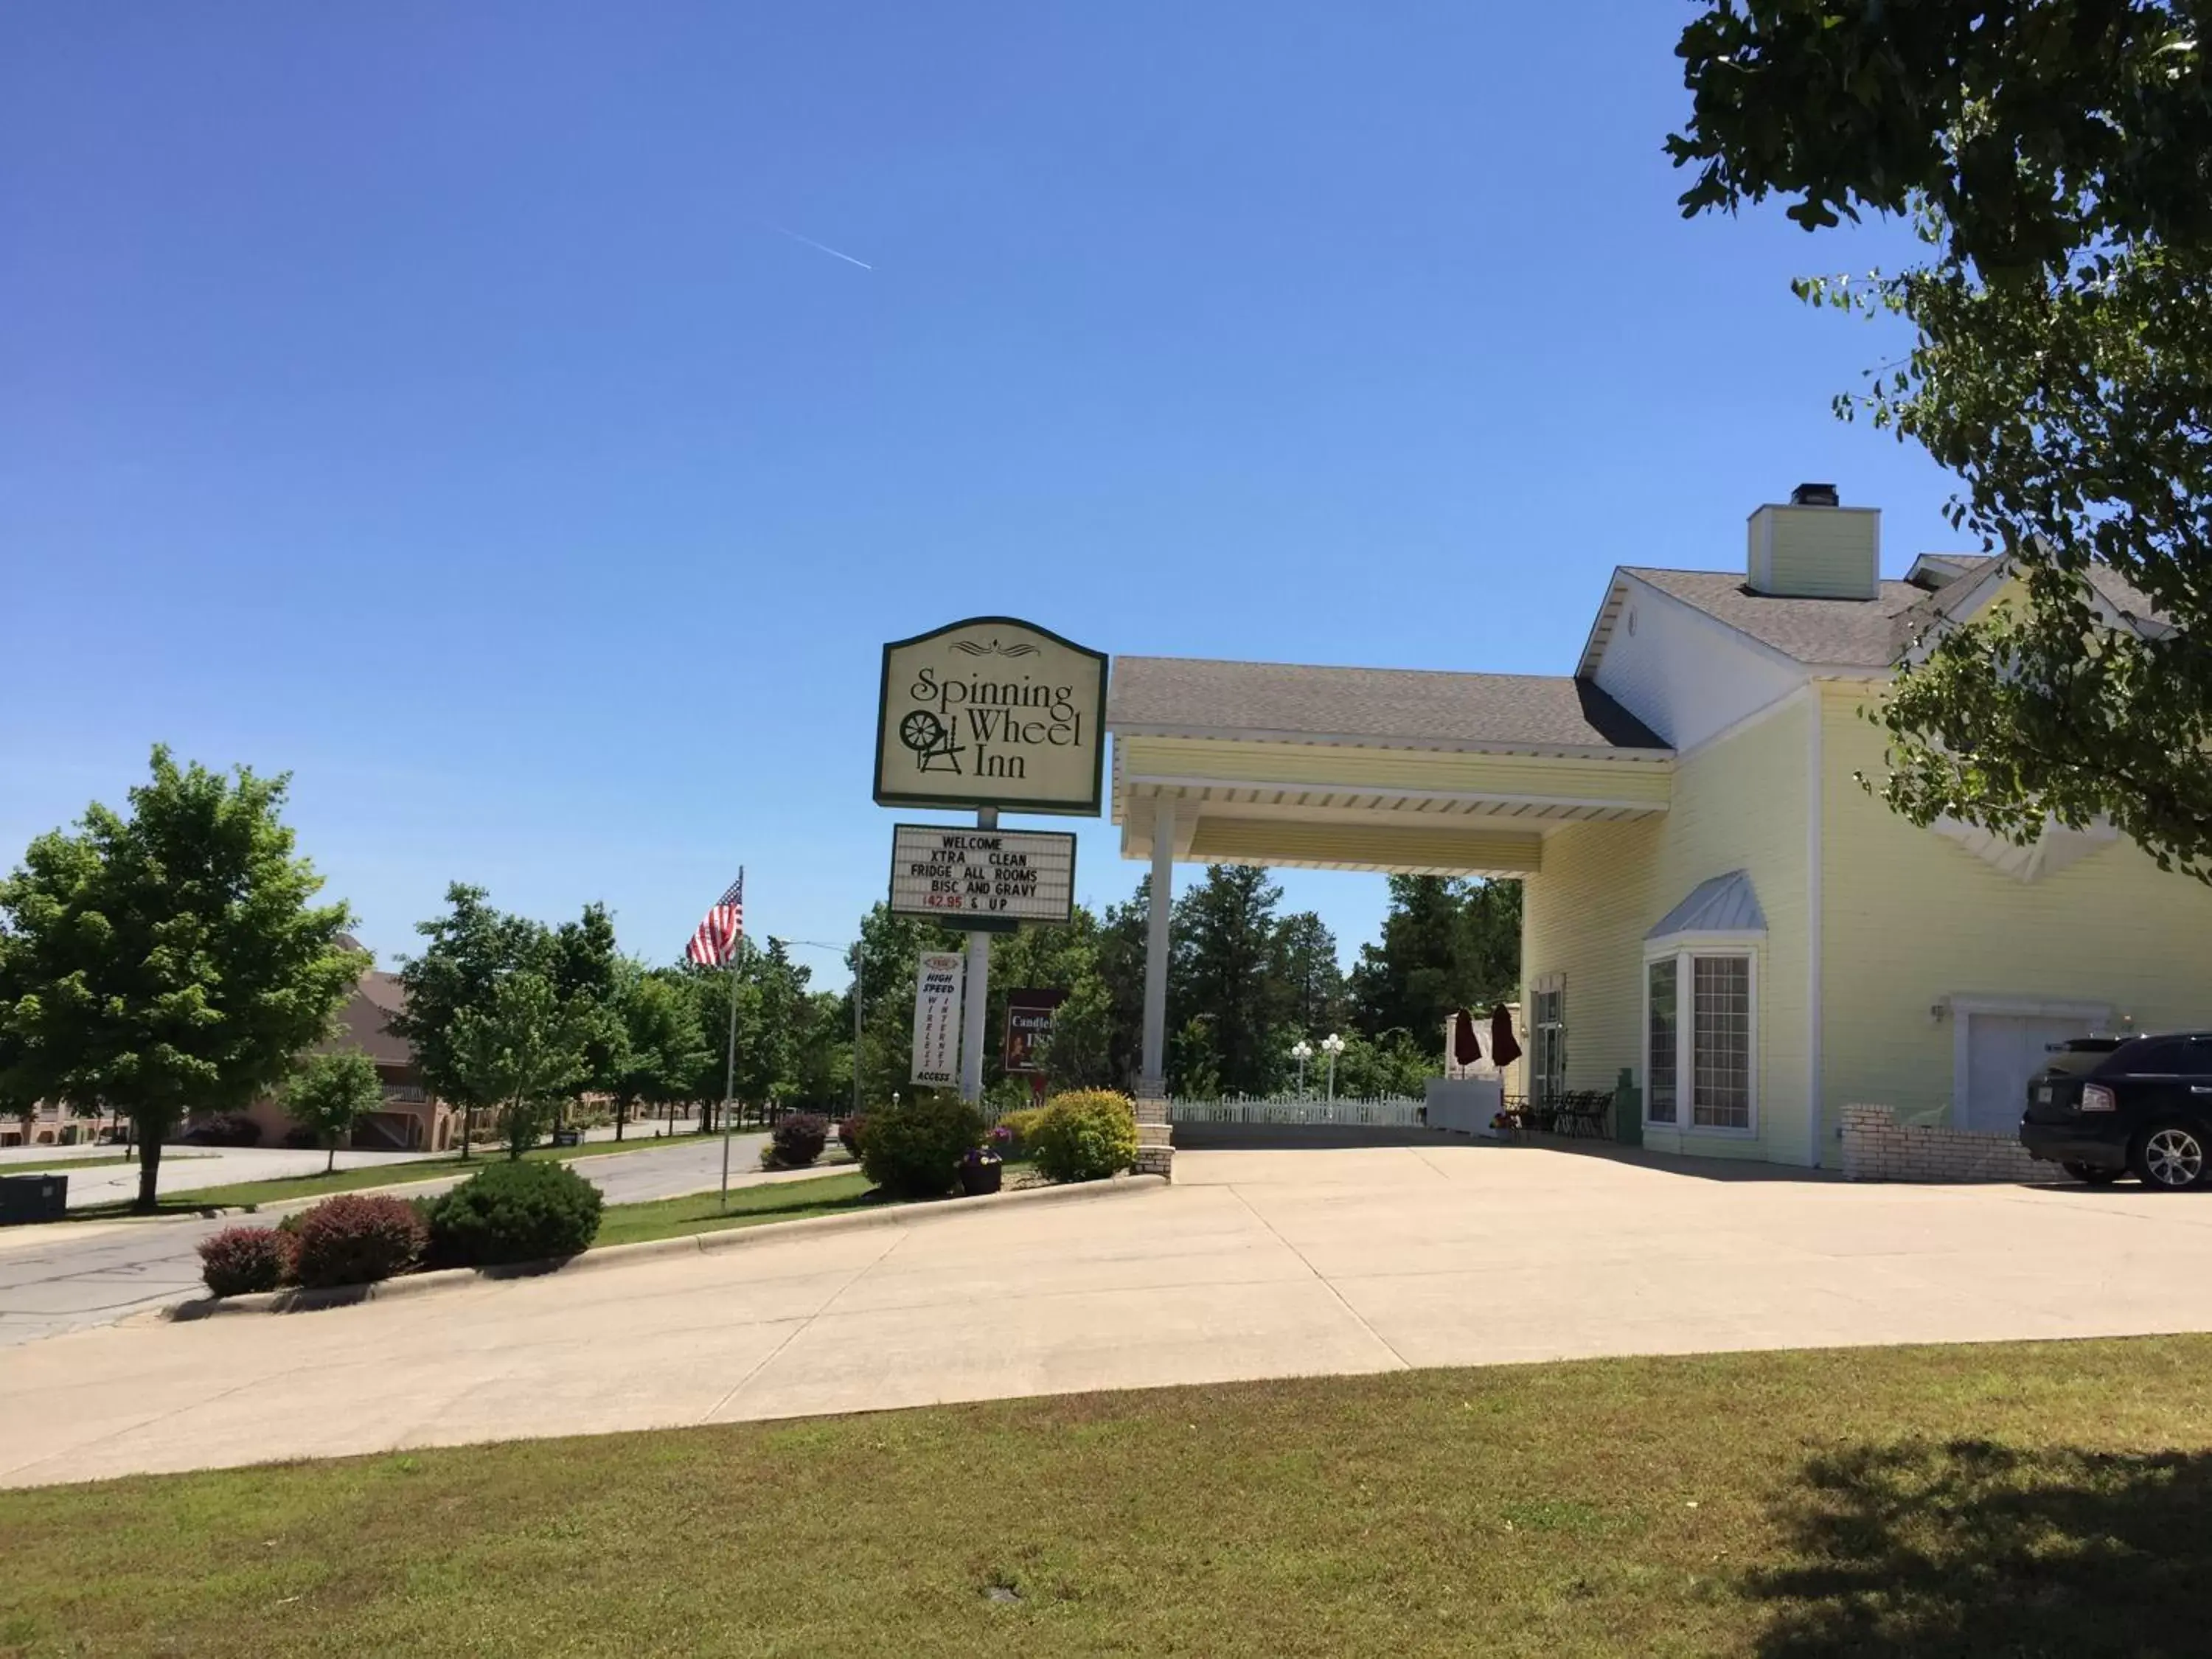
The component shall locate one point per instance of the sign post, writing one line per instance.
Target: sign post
(978, 994)
(991, 713)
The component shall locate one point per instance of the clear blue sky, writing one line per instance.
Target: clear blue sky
(421, 399)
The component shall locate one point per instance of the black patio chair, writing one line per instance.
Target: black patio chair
(1582, 1113)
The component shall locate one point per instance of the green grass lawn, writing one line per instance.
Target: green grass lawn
(2022, 1499)
(257, 1193)
(702, 1213)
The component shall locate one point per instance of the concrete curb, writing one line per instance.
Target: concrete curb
(654, 1250)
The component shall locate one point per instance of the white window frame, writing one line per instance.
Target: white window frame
(1683, 950)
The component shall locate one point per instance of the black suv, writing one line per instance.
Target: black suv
(2106, 1106)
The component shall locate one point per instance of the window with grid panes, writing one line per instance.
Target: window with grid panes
(1720, 1042)
(1659, 1065)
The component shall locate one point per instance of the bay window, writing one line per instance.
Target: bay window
(1699, 1040)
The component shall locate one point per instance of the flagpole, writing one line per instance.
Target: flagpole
(730, 1065)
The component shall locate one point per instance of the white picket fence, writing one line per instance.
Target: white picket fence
(1366, 1111)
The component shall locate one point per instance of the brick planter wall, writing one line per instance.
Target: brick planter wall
(1155, 1138)
(1877, 1147)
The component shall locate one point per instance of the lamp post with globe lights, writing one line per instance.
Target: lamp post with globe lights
(1302, 1051)
(1332, 1045)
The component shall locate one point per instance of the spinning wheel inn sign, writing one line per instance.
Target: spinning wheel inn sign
(992, 712)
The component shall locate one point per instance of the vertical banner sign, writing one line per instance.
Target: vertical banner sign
(1028, 1021)
(937, 986)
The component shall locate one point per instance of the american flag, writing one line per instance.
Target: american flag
(715, 941)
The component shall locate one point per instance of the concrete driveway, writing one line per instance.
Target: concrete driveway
(1252, 1265)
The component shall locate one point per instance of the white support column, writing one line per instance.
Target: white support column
(1160, 901)
(976, 997)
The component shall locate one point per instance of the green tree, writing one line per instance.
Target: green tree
(1395, 1063)
(2053, 155)
(168, 961)
(822, 1074)
(329, 1092)
(1447, 943)
(663, 1047)
(526, 1048)
(472, 949)
(770, 1023)
(1223, 980)
(585, 970)
(1313, 984)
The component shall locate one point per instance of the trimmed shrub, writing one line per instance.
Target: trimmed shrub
(238, 1261)
(796, 1140)
(356, 1238)
(914, 1151)
(1021, 1129)
(1086, 1135)
(515, 1212)
(848, 1132)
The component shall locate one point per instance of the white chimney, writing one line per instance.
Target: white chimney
(1815, 548)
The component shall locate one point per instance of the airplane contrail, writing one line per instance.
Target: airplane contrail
(820, 247)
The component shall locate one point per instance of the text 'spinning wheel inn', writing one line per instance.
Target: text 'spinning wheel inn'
(992, 714)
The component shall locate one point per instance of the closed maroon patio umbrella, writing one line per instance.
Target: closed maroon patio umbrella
(1504, 1049)
(1466, 1047)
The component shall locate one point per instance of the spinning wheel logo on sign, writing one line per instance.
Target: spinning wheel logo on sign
(932, 741)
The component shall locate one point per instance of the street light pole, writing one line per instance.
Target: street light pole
(1332, 1045)
(1302, 1051)
(860, 953)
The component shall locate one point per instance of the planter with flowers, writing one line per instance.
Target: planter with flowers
(984, 1166)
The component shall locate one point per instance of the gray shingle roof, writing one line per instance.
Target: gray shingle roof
(1401, 707)
(1835, 633)
(1850, 633)
(1723, 904)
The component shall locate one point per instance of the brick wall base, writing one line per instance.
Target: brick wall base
(1155, 1139)
(1877, 1147)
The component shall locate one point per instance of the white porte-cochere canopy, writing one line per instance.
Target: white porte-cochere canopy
(1395, 770)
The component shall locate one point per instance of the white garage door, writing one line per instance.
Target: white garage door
(2003, 1052)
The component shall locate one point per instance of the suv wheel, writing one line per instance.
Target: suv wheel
(2172, 1158)
(2094, 1174)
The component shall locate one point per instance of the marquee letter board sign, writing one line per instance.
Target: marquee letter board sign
(982, 879)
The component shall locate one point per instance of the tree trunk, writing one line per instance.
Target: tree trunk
(468, 1123)
(620, 1113)
(331, 1162)
(149, 1172)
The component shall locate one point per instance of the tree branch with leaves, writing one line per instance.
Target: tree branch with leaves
(2055, 156)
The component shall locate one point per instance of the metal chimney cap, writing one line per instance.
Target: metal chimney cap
(1816, 494)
